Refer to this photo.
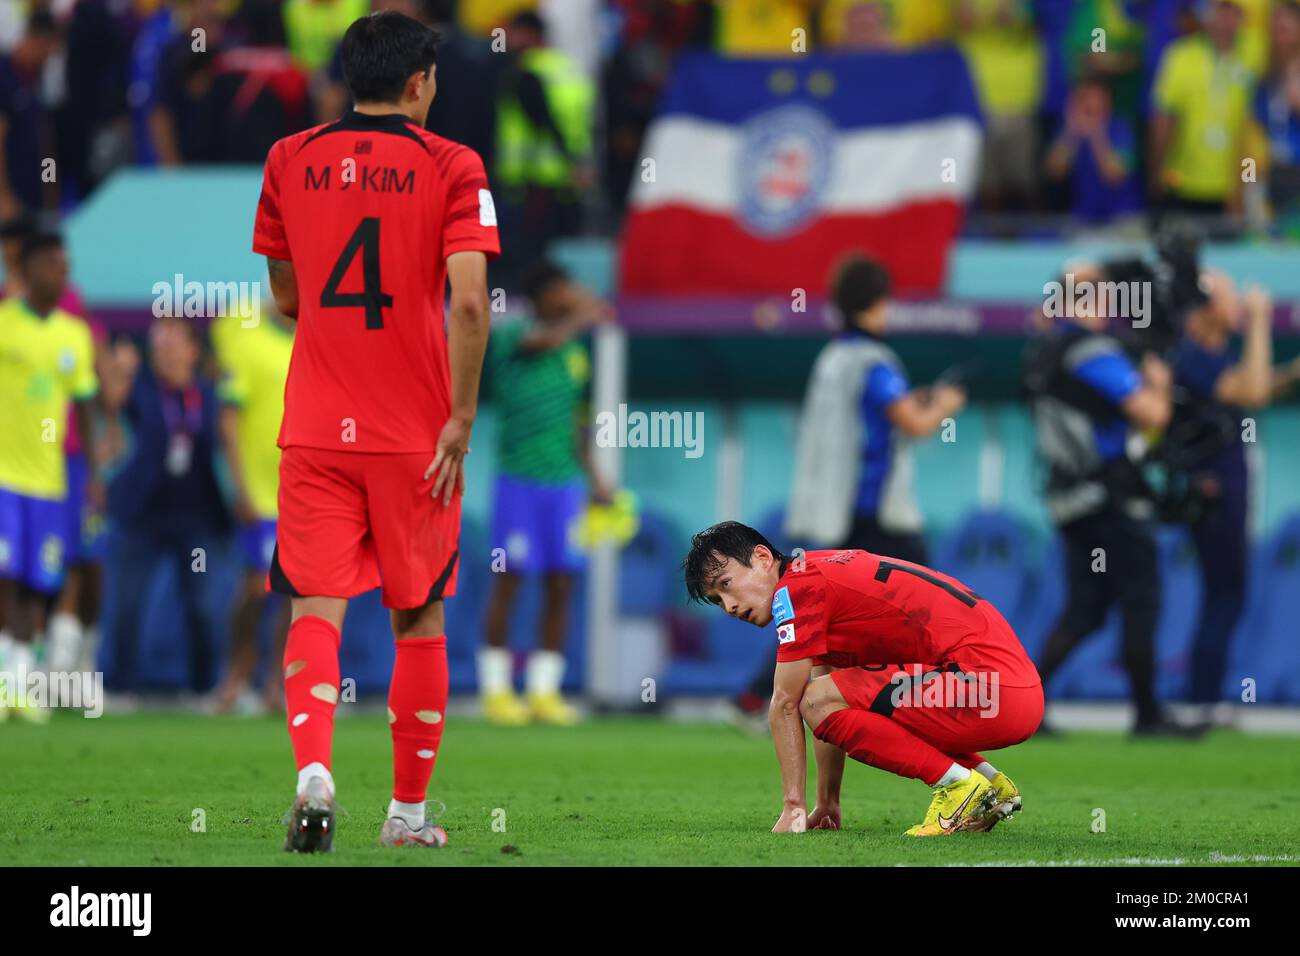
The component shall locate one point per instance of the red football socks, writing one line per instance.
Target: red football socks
(878, 741)
(311, 688)
(417, 704)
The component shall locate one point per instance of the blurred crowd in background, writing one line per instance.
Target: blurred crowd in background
(1097, 111)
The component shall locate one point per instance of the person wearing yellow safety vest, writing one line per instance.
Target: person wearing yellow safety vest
(543, 162)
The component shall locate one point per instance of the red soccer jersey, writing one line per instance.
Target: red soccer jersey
(368, 209)
(855, 608)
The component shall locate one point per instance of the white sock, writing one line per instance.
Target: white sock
(412, 813)
(315, 770)
(22, 661)
(545, 672)
(956, 773)
(494, 666)
(987, 770)
(66, 635)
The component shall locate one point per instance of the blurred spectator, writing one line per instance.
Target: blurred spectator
(1202, 94)
(481, 17)
(257, 95)
(464, 110)
(315, 27)
(763, 27)
(652, 35)
(180, 125)
(901, 23)
(1006, 62)
(858, 25)
(1097, 151)
(1113, 55)
(577, 28)
(159, 24)
(164, 505)
(254, 363)
(1277, 110)
(24, 121)
(92, 136)
(543, 159)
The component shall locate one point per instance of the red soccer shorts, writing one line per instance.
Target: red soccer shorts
(351, 521)
(955, 712)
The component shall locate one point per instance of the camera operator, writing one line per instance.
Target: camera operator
(1218, 378)
(1088, 398)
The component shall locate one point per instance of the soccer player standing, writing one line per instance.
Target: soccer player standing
(896, 665)
(46, 367)
(363, 222)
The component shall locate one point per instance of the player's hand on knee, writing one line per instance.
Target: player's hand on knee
(792, 820)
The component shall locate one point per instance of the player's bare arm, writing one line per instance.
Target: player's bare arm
(467, 335)
(584, 310)
(830, 759)
(284, 286)
(786, 723)
(921, 411)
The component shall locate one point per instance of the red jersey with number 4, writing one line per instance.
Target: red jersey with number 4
(855, 608)
(368, 209)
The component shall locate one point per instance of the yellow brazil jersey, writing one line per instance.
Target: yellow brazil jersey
(912, 23)
(1006, 62)
(763, 27)
(254, 364)
(1209, 97)
(45, 363)
(480, 17)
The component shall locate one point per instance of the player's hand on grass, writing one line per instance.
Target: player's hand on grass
(448, 465)
(825, 817)
(792, 820)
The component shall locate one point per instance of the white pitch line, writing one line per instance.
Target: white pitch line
(1213, 858)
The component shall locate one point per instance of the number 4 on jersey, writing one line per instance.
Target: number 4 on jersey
(365, 238)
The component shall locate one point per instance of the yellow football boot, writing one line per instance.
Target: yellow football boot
(551, 708)
(1005, 803)
(1008, 795)
(504, 707)
(958, 806)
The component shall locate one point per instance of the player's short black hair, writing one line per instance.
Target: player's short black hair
(540, 277)
(711, 548)
(379, 53)
(39, 241)
(857, 285)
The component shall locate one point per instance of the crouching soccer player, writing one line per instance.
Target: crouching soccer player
(896, 665)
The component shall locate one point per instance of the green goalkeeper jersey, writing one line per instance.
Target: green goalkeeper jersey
(538, 397)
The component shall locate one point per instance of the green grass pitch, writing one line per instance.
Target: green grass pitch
(123, 790)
